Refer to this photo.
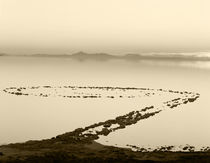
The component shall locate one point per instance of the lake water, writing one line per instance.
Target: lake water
(25, 118)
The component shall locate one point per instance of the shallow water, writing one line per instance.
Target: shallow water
(32, 117)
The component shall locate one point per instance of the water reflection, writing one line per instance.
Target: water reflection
(185, 64)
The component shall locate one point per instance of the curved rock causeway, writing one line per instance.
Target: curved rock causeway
(92, 132)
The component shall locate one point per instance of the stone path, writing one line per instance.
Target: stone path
(92, 132)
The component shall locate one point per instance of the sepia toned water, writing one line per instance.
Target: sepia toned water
(25, 118)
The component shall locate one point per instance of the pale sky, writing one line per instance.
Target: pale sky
(114, 26)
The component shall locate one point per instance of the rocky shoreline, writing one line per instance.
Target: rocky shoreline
(84, 138)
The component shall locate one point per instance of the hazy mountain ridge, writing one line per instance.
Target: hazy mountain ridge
(94, 56)
(131, 56)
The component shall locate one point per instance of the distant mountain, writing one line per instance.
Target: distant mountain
(82, 56)
(135, 57)
(96, 56)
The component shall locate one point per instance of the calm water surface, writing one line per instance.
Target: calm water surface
(29, 117)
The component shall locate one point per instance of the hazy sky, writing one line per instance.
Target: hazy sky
(116, 26)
